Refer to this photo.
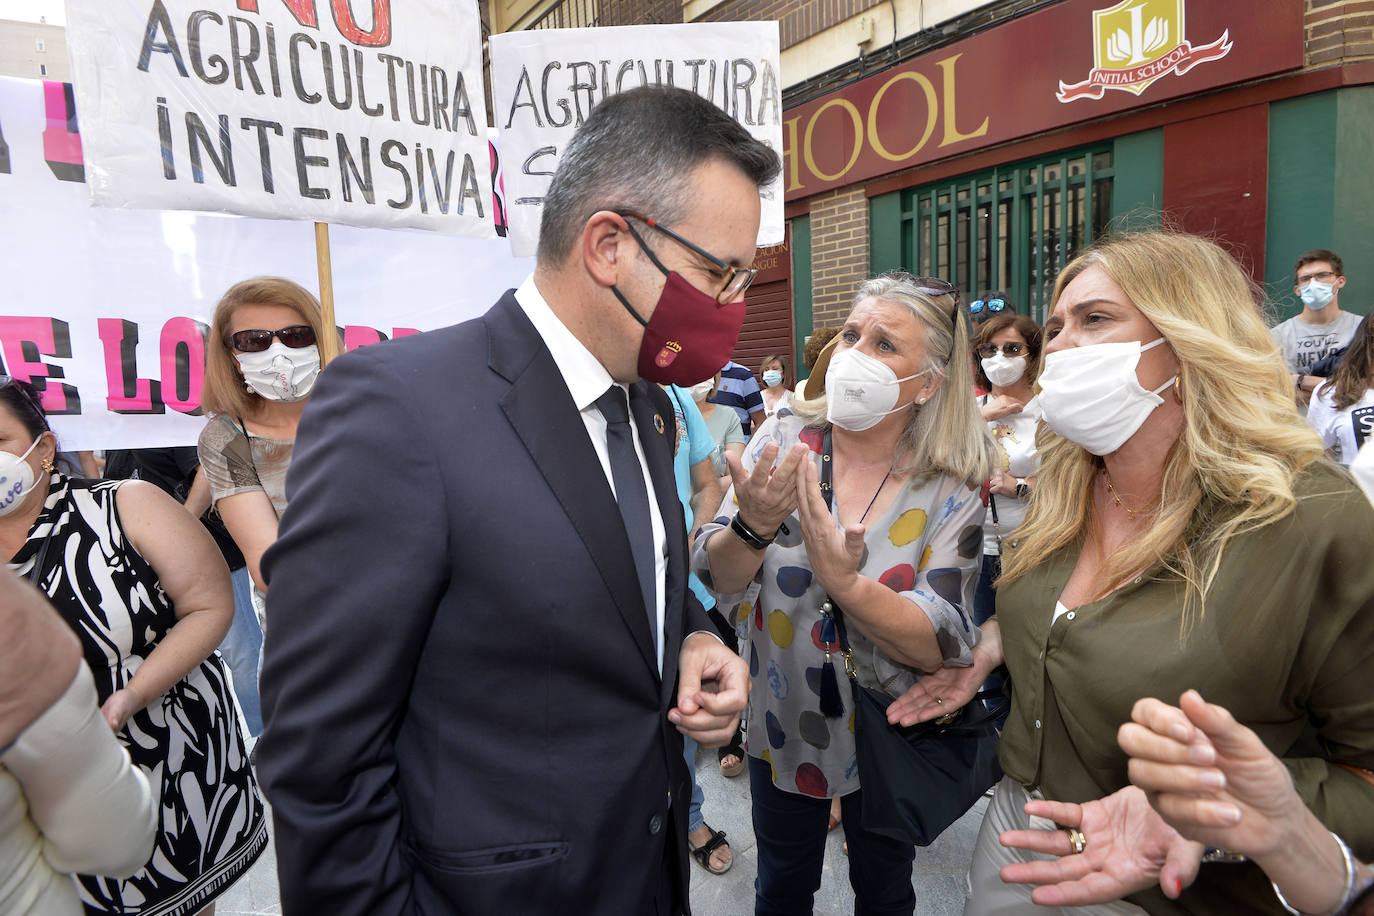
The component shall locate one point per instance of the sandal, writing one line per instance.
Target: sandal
(703, 852)
(734, 749)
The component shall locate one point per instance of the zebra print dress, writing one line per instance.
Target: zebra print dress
(188, 743)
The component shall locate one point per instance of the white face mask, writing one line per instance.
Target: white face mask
(281, 373)
(1004, 370)
(702, 390)
(16, 479)
(861, 390)
(1091, 396)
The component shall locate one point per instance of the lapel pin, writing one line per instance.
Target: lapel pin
(658, 424)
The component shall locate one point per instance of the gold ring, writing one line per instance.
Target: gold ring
(1076, 839)
(948, 718)
(939, 700)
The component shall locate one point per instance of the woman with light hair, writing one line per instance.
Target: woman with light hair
(1186, 533)
(267, 345)
(874, 508)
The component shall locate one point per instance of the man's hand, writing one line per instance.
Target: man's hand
(713, 687)
(1128, 848)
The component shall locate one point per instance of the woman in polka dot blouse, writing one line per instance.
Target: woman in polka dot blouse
(890, 407)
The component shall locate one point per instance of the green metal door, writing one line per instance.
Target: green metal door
(1012, 228)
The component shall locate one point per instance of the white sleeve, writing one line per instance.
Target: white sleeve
(94, 808)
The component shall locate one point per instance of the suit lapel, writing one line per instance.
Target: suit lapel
(543, 415)
(649, 412)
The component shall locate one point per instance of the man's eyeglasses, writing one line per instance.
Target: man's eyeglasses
(1326, 276)
(256, 340)
(733, 284)
(991, 305)
(1012, 350)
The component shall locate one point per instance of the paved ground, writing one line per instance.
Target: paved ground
(938, 875)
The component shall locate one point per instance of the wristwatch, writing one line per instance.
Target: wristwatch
(1022, 488)
(749, 535)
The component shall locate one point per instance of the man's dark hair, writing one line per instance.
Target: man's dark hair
(1320, 254)
(636, 151)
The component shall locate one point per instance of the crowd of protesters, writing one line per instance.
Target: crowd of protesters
(497, 583)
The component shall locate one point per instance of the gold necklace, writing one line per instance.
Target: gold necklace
(1111, 491)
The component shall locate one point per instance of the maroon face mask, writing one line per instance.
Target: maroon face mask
(689, 336)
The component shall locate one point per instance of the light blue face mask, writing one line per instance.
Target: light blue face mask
(772, 377)
(1316, 295)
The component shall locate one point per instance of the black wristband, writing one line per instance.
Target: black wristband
(749, 535)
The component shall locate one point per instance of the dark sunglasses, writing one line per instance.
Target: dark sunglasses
(988, 351)
(734, 280)
(992, 305)
(256, 340)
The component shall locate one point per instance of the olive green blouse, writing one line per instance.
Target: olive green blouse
(1286, 643)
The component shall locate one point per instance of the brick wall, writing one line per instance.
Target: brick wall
(839, 252)
(639, 12)
(1338, 32)
(797, 19)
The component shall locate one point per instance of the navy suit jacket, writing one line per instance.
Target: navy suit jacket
(463, 709)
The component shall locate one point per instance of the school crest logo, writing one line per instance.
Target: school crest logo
(1137, 42)
(669, 353)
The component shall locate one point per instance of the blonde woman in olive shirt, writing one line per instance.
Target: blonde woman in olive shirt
(1186, 533)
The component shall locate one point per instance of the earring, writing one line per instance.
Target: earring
(47, 465)
(1178, 389)
(920, 400)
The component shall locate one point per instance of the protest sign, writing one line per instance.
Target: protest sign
(363, 114)
(106, 310)
(546, 81)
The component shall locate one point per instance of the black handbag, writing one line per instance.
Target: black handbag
(919, 779)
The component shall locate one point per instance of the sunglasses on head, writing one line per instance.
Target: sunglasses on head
(256, 340)
(931, 286)
(992, 305)
(7, 380)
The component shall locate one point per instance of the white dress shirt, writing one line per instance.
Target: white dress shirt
(588, 380)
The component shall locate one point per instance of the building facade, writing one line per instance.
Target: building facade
(33, 50)
(988, 143)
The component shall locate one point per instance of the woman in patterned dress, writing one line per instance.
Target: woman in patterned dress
(899, 552)
(147, 592)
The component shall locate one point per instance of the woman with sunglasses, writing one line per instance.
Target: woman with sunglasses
(1187, 533)
(888, 421)
(143, 586)
(262, 357)
(1007, 358)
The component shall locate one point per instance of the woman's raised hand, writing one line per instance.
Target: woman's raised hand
(767, 495)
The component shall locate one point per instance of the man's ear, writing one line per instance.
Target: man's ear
(602, 245)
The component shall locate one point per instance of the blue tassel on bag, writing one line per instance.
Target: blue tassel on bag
(831, 706)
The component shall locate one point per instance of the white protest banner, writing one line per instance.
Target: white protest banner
(362, 114)
(106, 310)
(546, 81)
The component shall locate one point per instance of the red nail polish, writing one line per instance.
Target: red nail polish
(1178, 886)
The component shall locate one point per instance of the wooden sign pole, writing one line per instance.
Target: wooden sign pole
(329, 347)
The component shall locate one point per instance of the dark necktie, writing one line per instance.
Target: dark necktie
(631, 496)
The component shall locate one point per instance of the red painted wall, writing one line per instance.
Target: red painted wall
(1215, 179)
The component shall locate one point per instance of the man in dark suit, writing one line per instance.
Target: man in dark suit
(481, 648)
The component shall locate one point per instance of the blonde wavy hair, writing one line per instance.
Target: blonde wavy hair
(946, 435)
(1242, 445)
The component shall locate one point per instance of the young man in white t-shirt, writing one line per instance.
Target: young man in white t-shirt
(1321, 327)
